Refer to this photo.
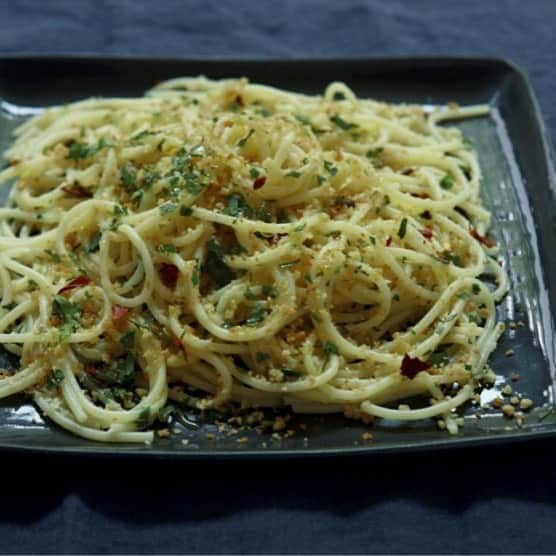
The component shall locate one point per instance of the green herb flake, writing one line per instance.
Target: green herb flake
(55, 379)
(128, 179)
(331, 348)
(303, 119)
(167, 248)
(54, 256)
(185, 211)
(215, 265)
(448, 257)
(167, 208)
(94, 243)
(403, 228)
(193, 185)
(374, 152)
(237, 205)
(250, 295)
(269, 291)
(331, 169)
(68, 313)
(128, 339)
(254, 172)
(241, 143)
(476, 289)
(320, 180)
(195, 275)
(447, 182)
(119, 372)
(256, 315)
(341, 123)
(144, 418)
(293, 174)
(439, 358)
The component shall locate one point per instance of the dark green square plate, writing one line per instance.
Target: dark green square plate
(519, 187)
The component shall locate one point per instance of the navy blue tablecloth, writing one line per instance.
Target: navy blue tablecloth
(496, 499)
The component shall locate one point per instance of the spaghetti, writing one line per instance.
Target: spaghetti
(222, 242)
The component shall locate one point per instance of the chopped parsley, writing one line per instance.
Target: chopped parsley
(269, 291)
(293, 174)
(143, 419)
(195, 274)
(120, 372)
(447, 182)
(215, 266)
(341, 123)
(330, 348)
(237, 206)
(167, 248)
(94, 243)
(68, 313)
(128, 179)
(453, 258)
(331, 169)
(185, 211)
(256, 315)
(55, 379)
(127, 339)
(167, 208)
(374, 153)
(79, 151)
(403, 228)
(303, 119)
(242, 142)
(54, 256)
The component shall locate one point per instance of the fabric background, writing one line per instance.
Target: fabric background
(490, 500)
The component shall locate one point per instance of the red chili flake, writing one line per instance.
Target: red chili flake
(427, 232)
(90, 368)
(388, 241)
(169, 273)
(76, 191)
(408, 171)
(427, 215)
(239, 100)
(118, 312)
(259, 182)
(77, 282)
(178, 344)
(421, 195)
(482, 239)
(412, 366)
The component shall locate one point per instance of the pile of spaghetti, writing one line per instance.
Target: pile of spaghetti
(222, 243)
